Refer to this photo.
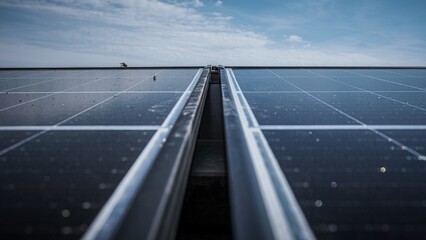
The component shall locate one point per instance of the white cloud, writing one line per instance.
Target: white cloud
(296, 41)
(198, 3)
(192, 3)
(218, 3)
(294, 38)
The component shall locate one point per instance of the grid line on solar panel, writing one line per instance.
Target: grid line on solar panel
(114, 209)
(273, 185)
(410, 150)
(49, 95)
(384, 80)
(61, 122)
(374, 93)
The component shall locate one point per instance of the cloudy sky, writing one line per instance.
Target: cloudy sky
(199, 32)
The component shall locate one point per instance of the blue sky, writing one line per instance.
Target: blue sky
(199, 32)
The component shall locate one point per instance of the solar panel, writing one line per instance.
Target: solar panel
(327, 153)
(68, 138)
(350, 143)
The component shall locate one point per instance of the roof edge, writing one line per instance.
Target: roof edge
(330, 67)
(100, 68)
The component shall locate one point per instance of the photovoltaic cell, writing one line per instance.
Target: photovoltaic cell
(8, 138)
(317, 83)
(351, 184)
(130, 109)
(409, 72)
(49, 110)
(372, 109)
(10, 99)
(416, 83)
(55, 184)
(265, 84)
(371, 84)
(293, 109)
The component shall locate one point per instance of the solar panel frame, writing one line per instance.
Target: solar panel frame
(283, 214)
(156, 217)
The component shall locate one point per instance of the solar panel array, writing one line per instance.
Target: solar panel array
(350, 143)
(312, 153)
(68, 138)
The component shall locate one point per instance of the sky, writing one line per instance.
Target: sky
(92, 33)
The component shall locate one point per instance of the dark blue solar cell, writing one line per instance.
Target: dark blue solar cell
(417, 99)
(130, 109)
(53, 186)
(70, 80)
(372, 84)
(110, 84)
(51, 109)
(10, 99)
(409, 72)
(53, 84)
(22, 74)
(414, 83)
(414, 139)
(293, 109)
(317, 83)
(9, 138)
(352, 183)
(170, 80)
(372, 72)
(7, 73)
(334, 72)
(293, 73)
(252, 73)
(133, 73)
(264, 84)
(372, 109)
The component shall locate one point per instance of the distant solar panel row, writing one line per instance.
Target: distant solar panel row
(311, 153)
